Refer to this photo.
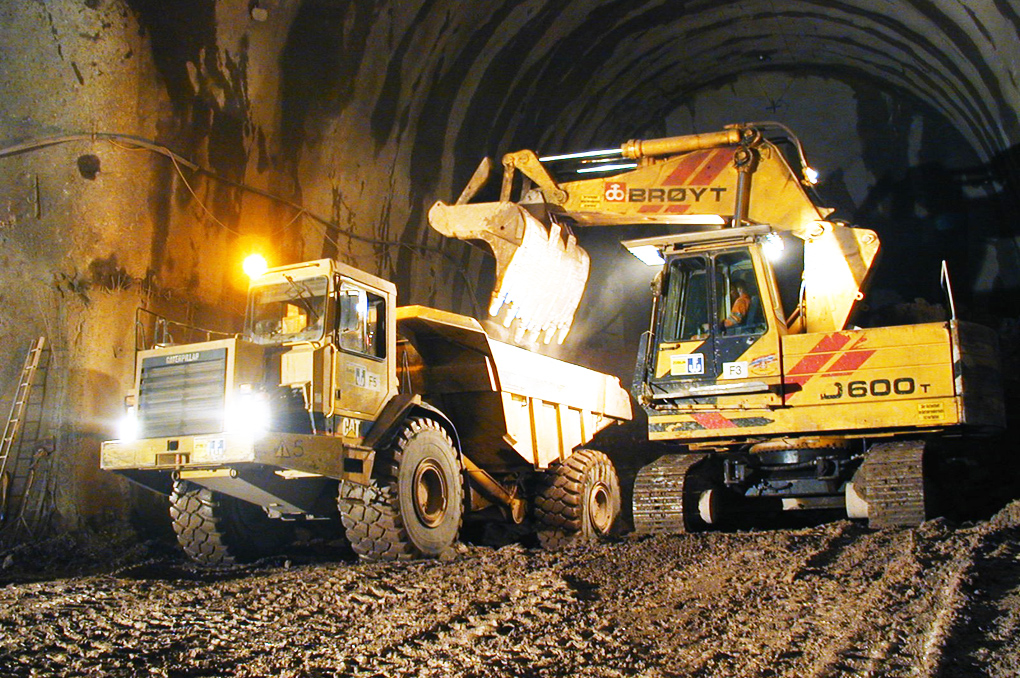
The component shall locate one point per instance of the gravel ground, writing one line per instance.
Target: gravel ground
(837, 600)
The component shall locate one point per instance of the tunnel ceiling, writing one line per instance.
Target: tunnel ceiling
(436, 79)
(942, 53)
(359, 114)
(581, 72)
(368, 112)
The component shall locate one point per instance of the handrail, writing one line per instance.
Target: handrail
(162, 334)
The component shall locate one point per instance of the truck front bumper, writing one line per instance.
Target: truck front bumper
(288, 453)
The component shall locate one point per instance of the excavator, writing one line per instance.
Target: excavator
(761, 392)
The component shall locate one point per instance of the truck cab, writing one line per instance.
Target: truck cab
(327, 329)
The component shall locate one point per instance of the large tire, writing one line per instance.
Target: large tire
(217, 529)
(415, 503)
(578, 500)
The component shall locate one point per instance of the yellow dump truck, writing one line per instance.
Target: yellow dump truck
(770, 401)
(405, 420)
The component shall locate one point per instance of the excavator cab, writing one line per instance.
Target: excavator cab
(716, 327)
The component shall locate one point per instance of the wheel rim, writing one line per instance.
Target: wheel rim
(430, 495)
(600, 507)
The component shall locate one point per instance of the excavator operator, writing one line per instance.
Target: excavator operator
(741, 301)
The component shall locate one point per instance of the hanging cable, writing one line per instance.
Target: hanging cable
(178, 161)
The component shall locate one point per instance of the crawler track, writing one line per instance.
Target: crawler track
(662, 495)
(894, 484)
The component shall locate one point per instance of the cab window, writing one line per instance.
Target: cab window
(686, 307)
(361, 321)
(739, 301)
(287, 312)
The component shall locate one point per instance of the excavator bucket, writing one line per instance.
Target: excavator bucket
(540, 270)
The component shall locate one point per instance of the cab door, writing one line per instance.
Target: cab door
(684, 345)
(360, 370)
(712, 343)
(746, 360)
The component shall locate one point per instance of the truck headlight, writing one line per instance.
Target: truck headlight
(248, 415)
(127, 427)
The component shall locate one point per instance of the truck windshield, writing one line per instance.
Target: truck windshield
(289, 311)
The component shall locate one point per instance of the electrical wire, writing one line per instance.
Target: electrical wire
(178, 160)
(199, 200)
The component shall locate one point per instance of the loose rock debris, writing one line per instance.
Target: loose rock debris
(839, 600)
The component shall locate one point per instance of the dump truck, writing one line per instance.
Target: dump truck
(751, 374)
(401, 421)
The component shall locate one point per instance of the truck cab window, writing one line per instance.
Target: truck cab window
(739, 300)
(361, 321)
(286, 312)
(685, 305)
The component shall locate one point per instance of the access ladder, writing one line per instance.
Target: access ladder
(16, 419)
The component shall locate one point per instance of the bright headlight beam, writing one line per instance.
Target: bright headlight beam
(248, 415)
(127, 428)
(649, 254)
(772, 246)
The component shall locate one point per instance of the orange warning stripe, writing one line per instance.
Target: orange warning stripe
(712, 420)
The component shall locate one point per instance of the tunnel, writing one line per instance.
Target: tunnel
(148, 146)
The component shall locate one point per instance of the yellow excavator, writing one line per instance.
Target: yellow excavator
(771, 400)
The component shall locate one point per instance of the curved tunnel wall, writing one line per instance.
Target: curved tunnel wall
(329, 126)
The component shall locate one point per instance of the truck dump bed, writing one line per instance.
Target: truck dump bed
(531, 408)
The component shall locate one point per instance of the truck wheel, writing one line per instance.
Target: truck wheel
(217, 529)
(415, 503)
(578, 499)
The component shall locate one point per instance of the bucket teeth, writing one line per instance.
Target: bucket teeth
(540, 270)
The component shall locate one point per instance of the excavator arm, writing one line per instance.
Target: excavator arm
(703, 182)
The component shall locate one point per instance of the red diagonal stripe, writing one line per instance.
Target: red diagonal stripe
(712, 420)
(816, 358)
(720, 161)
(831, 342)
(678, 208)
(811, 363)
(688, 166)
(850, 361)
(650, 208)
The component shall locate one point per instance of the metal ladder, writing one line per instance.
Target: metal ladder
(16, 419)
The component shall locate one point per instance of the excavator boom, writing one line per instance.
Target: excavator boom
(702, 182)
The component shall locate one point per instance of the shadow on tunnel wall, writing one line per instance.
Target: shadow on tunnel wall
(931, 213)
(967, 218)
